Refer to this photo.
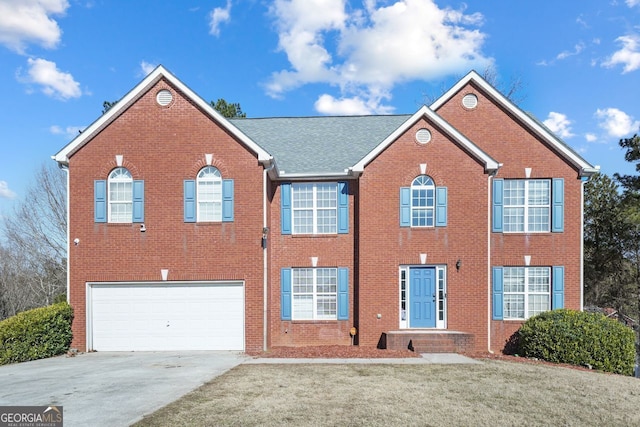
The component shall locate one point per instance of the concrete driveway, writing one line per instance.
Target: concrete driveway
(109, 388)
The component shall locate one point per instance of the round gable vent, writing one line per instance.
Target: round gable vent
(423, 136)
(164, 97)
(470, 101)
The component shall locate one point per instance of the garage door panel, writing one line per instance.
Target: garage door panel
(167, 317)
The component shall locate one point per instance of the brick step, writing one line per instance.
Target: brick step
(433, 346)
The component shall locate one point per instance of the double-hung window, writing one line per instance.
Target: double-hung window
(527, 205)
(314, 293)
(527, 291)
(315, 208)
(209, 195)
(120, 195)
(119, 198)
(422, 202)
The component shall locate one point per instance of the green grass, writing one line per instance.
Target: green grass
(493, 393)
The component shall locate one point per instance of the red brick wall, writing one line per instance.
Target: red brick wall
(164, 146)
(289, 251)
(384, 245)
(495, 131)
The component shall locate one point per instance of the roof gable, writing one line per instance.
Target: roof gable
(149, 81)
(490, 164)
(525, 119)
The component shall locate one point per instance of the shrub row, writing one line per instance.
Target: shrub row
(36, 334)
(579, 338)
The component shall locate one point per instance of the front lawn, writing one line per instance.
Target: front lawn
(494, 393)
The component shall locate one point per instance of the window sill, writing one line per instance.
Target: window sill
(315, 322)
(314, 236)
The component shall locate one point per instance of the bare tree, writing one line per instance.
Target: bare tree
(33, 267)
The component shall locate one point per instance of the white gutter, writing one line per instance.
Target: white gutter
(489, 293)
(582, 184)
(265, 262)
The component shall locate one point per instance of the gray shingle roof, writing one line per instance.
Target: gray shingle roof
(319, 145)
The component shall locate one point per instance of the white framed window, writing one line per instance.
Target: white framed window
(209, 195)
(314, 293)
(422, 202)
(527, 291)
(315, 208)
(120, 204)
(527, 205)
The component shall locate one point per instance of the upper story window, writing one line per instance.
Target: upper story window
(423, 204)
(120, 195)
(208, 198)
(209, 194)
(119, 199)
(528, 205)
(315, 208)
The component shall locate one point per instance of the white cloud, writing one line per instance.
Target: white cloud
(146, 68)
(616, 123)
(366, 52)
(632, 3)
(54, 82)
(69, 131)
(327, 104)
(559, 124)
(567, 53)
(5, 192)
(218, 16)
(29, 21)
(590, 137)
(628, 55)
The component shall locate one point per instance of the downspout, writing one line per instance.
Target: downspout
(66, 169)
(489, 316)
(265, 262)
(582, 183)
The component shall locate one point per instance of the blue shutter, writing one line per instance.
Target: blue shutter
(405, 207)
(497, 294)
(100, 200)
(285, 207)
(343, 294)
(557, 298)
(498, 189)
(343, 207)
(189, 200)
(441, 206)
(138, 201)
(227, 200)
(557, 213)
(285, 294)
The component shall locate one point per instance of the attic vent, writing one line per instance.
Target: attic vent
(423, 136)
(470, 101)
(164, 97)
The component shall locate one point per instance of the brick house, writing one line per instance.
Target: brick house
(442, 230)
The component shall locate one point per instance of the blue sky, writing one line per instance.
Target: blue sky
(578, 63)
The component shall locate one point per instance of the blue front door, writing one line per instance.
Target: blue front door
(422, 297)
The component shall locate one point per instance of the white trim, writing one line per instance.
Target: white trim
(440, 324)
(160, 72)
(586, 169)
(582, 184)
(424, 112)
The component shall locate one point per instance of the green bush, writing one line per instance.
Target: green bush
(579, 338)
(36, 334)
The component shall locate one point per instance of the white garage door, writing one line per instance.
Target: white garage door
(163, 316)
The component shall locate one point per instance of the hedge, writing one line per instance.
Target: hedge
(579, 338)
(36, 334)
